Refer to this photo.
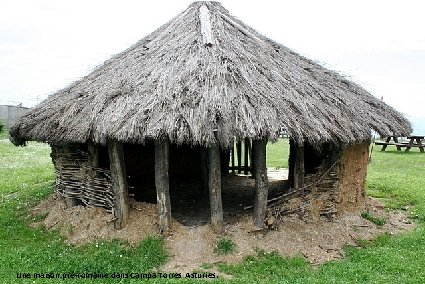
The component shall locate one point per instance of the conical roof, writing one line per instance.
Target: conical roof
(206, 77)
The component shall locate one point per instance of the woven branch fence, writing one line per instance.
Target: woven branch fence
(76, 179)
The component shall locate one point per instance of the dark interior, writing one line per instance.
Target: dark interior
(188, 193)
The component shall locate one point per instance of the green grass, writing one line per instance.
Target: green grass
(225, 246)
(26, 176)
(398, 178)
(278, 153)
(4, 134)
(375, 220)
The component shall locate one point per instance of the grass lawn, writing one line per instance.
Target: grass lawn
(278, 154)
(26, 176)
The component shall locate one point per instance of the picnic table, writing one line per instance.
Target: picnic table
(414, 141)
(418, 140)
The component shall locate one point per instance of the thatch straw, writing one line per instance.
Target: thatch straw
(206, 77)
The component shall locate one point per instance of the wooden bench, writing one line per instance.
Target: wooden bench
(385, 144)
(407, 145)
(415, 141)
(399, 145)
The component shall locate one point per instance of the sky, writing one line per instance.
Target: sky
(47, 44)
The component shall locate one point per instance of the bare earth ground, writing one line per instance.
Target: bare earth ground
(192, 241)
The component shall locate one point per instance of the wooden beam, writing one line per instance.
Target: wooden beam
(299, 170)
(206, 30)
(261, 182)
(239, 151)
(246, 159)
(162, 186)
(214, 184)
(119, 184)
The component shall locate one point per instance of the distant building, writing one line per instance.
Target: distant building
(10, 114)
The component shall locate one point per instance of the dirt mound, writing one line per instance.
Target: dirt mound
(318, 241)
(81, 224)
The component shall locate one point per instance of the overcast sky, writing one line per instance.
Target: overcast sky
(47, 44)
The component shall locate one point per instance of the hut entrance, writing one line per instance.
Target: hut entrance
(188, 191)
(188, 180)
(188, 176)
(139, 164)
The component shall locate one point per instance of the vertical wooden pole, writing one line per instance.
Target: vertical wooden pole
(261, 182)
(246, 164)
(119, 184)
(214, 184)
(249, 155)
(299, 170)
(204, 173)
(55, 156)
(252, 160)
(93, 155)
(239, 152)
(68, 152)
(291, 163)
(93, 164)
(233, 158)
(162, 185)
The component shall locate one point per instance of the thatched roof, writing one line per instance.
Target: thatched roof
(204, 77)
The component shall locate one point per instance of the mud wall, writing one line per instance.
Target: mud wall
(352, 178)
(334, 184)
(338, 186)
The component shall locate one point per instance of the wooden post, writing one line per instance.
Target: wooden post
(68, 153)
(119, 184)
(233, 158)
(162, 185)
(93, 164)
(93, 155)
(249, 155)
(54, 155)
(204, 173)
(246, 160)
(239, 152)
(252, 161)
(214, 184)
(261, 182)
(299, 170)
(291, 163)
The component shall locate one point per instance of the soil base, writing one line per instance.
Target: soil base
(318, 241)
